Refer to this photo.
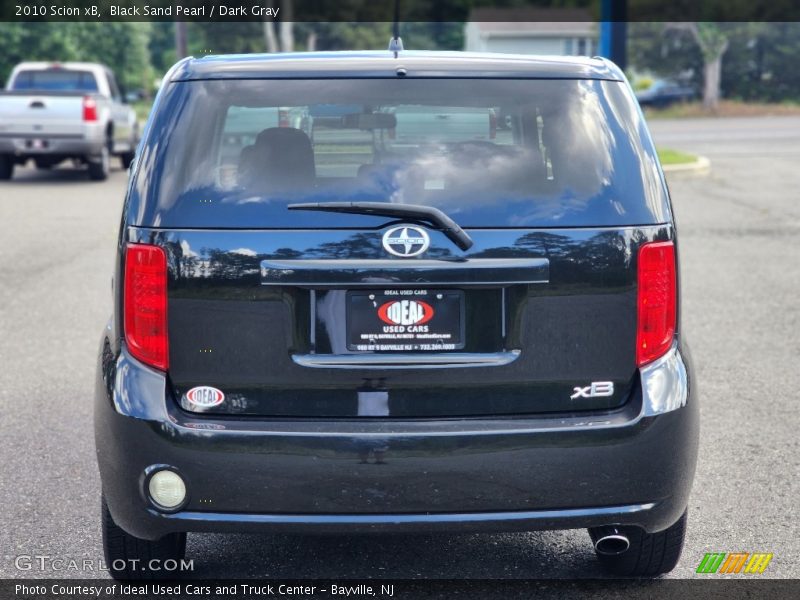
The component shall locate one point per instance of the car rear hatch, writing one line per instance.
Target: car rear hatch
(336, 309)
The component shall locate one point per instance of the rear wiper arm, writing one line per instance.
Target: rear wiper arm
(405, 211)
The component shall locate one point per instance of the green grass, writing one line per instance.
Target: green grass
(726, 108)
(142, 108)
(668, 156)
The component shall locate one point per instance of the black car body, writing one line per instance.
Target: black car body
(476, 335)
(664, 93)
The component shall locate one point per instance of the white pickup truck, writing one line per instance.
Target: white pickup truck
(51, 112)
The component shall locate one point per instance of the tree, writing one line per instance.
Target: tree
(162, 46)
(757, 63)
(121, 46)
(181, 44)
(713, 41)
(286, 29)
(287, 26)
(270, 40)
(759, 66)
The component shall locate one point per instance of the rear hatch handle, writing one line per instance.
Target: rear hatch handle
(335, 273)
(431, 215)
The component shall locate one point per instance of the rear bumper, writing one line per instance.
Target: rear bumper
(66, 146)
(488, 522)
(625, 467)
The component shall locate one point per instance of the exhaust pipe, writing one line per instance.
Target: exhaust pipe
(610, 541)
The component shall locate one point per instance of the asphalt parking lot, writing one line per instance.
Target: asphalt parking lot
(739, 230)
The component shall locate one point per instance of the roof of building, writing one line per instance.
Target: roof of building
(541, 22)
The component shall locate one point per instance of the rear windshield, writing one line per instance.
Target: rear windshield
(488, 152)
(55, 80)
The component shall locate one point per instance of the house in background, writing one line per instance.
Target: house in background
(523, 31)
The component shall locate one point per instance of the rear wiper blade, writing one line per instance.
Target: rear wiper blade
(404, 211)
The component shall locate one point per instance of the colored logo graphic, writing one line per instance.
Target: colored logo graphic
(405, 312)
(205, 396)
(734, 562)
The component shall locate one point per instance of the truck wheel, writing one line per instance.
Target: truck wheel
(6, 167)
(129, 557)
(100, 166)
(649, 554)
(126, 159)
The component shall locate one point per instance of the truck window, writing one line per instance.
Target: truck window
(56, 80)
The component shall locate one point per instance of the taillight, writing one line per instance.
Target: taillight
(145, 304)
(492, 125)
(656, 301)
(89, 109)
(283, 117)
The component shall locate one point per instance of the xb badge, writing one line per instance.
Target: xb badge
(597, 389)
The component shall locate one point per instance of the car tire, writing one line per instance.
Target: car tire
(100, 166)
(127, 557)
(649, 554)
(6, 167)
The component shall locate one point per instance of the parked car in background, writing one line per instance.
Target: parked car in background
(664, 92)
(424, 125)
(321, 335)
(132, 96)
(51, 112)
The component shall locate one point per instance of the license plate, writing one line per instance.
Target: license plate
(405, 320)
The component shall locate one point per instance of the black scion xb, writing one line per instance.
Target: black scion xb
(379, 292)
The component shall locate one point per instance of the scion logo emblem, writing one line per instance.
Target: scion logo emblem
(406, 241)
(598, 389)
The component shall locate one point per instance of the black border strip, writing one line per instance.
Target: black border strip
(416, 11)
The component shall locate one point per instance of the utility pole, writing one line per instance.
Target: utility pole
(614, 31)
(181, 50)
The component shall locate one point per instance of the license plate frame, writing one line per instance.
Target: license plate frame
(405, 320)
